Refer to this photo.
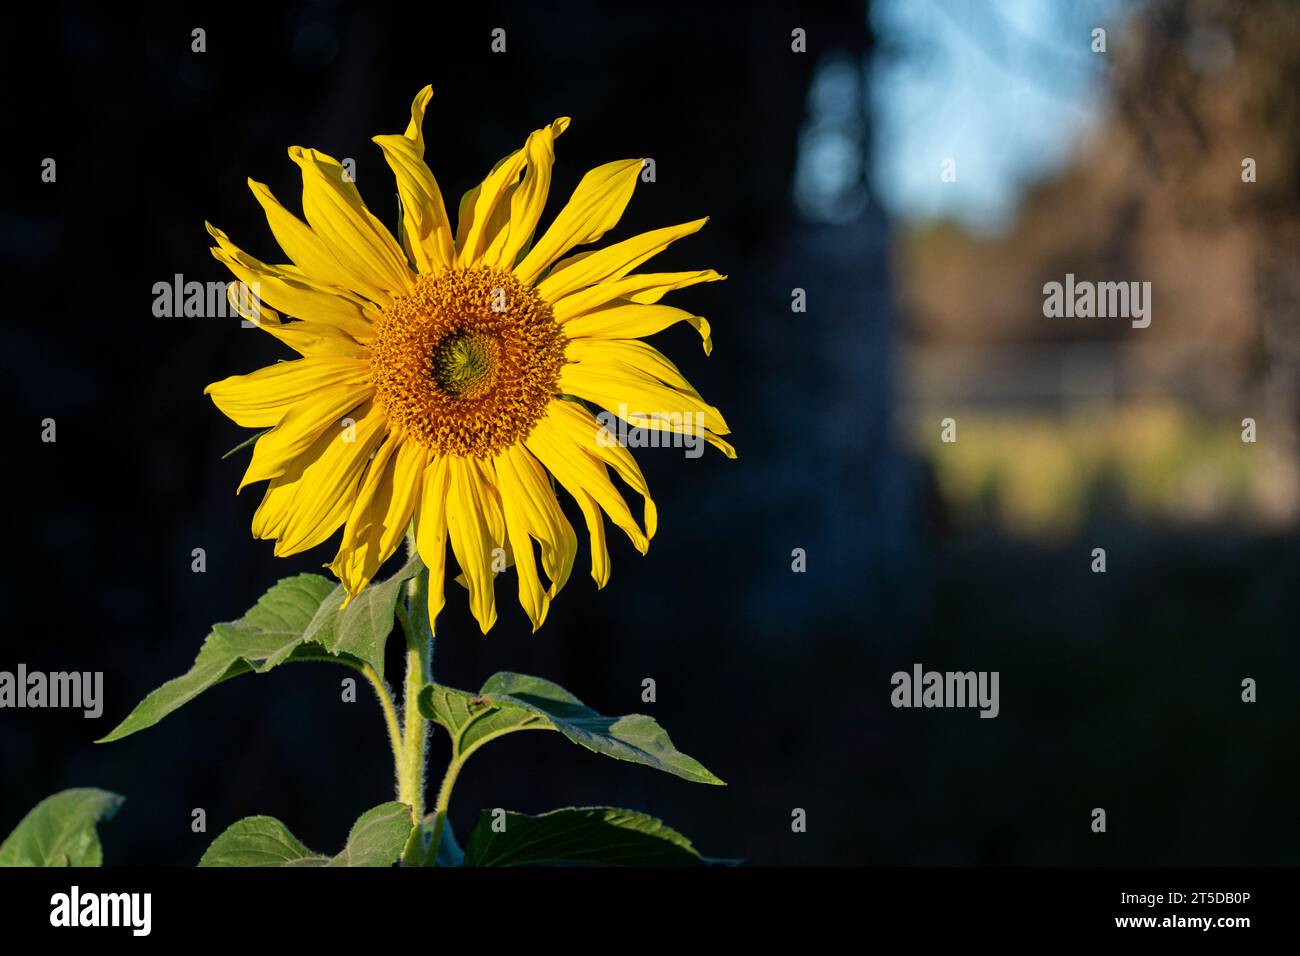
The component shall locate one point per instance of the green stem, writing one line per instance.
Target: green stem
(390, 712)
(440, 808)
(419, 658)
(410, 772)
(458, 759)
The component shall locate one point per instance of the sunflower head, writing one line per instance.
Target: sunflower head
(445, 382)
(466, 362)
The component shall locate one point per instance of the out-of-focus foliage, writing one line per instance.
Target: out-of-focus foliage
(1045, 476)
(1155, 192)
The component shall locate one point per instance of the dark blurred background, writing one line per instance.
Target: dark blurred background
(821, 171)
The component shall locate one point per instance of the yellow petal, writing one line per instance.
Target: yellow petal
(431, 531)
(600, 566)
(261, 399)
(310, 252)
(307, 504)
(643, 288)
(359, 242)
(381, 513)
(487, 232)
(627, 320)
(327, 413)
(528, 199)
(426, 229)
(468, 202)
(293, 294)
(415, 128)
(628, 355)
(473, 514)
(594, 208)
(612, 262)
(581, 474)
(531, 511)
(580, 427)
(483, 212)
(307, 338)
(643, 402)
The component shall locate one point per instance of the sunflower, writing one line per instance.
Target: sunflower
(446, 379)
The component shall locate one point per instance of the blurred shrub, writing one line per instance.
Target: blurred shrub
(1043, 476)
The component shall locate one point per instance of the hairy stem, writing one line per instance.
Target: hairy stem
(390, 714)
(440, 807)
(414, 617)
(410, 774)
(443, 801)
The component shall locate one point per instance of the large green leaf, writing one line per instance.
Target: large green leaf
(298, 619)
(259, 841)
(472, 720)
(376, 839)
(378, 836)
(361, 630)
(603, 836)
(60, 830)
(510, 702)
(268, 635)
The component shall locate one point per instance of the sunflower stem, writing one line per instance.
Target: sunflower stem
(440, 807)
(410, 773)
(390, 713)
(414, 617)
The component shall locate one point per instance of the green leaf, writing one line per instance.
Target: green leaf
(376, 839)
(298, 619)
(259, 841)
(268, 635)
(378, 836)
(60, 830)
(473, 720)
(362, 629)
(510, 702)
(604, 836)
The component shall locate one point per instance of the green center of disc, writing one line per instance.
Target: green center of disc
(462, 362)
